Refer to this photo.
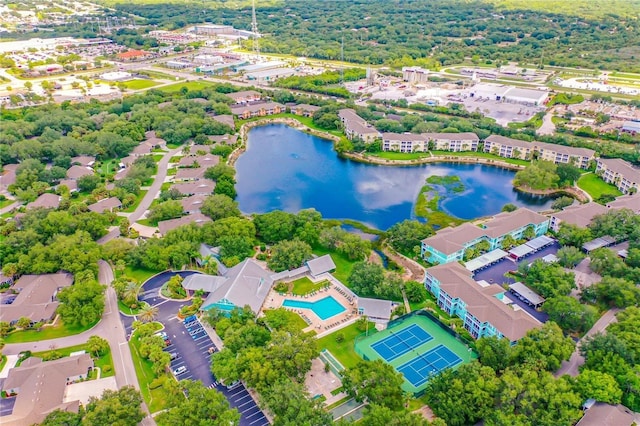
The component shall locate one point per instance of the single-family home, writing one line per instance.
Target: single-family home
(71, 184)
(449, 244)
(201, 187)
(245, 96)
(8, 175)
(225, 119)
(619, 173)
(257, 110)
(84, 160)
(580, 215)
(141, 149)
(107, 204)
(76, 172)
(481, 307)
(40, 387)
(165, 226)
(45, 201)
(36, 298)
(190, 174)
(223, 139)
(206, 161)
(355, 127)
(192, 204)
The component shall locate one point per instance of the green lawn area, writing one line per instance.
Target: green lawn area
(108, 167)
(3, 361)
(191, 85)
(157, 157)
(127, 310)
(391, 155)
(304, 285)
(156, 399)
(172, 171)
(139, 84)
(146, 222)
(480, 155)
(104, 362)
(596, 187)
(307, 121)
(293, 320)
(140, 275)
(344, 351)
(59, 330)
(5, 203)
(343, 264)
(139, 198)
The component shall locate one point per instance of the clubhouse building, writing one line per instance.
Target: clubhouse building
(449, 244)
(481, 307)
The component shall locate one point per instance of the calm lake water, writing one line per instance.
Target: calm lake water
(285, 169)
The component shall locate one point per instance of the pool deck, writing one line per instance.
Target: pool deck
(336, 289)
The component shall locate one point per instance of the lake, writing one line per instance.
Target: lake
(286, 169)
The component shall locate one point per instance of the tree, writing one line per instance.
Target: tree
(538, 175)
(405, 235)
(5, 328)
(508, 242)
(617, 292)
(62, 418)
(174, 286)
(148, 313)
(23, 323)
(289, 255)
(250, 334)
(121, 407)
(494, 352)
(544, 348)
(375, 382)
(88, 183)
(509, 207)
(562, 202)
(226, 186)
(291, 406)
(569, 314)
(203, 406)
(81, 304)
(379, 415)
(365, 278)
(97, 346)
(220, 206)
(166, 210)
(415, 291)
(570, 256)
(549, 280)
(220, 170)
(599, 386)
(567, 174)
(572, 235)
(275, 226)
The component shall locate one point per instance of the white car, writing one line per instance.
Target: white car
(178, 371)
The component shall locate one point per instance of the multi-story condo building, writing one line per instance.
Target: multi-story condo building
(412, 142)
(455, 142)
(405, 142)
(619, 173)
(560, 154)
(580, 215)
(481, 308)
(356, 127)
(449, 244)
(257, 110)
(508, 147)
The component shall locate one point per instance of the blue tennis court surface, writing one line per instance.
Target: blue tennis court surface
(398, 344)
(418, 370)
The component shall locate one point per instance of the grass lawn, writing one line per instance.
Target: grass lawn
(343, 264)
(140, 275)
(104, 362)
(191, 85)
(127, 310)
(146, 222)
(172, 171)
(307, 121)
(294, 320)
(156, 399)
(304, 285)
(139, 84)
(157, 157)
(481, 155)
(165, 186)
(139, 198)
(59, 330)
(3, 361)
(108, 167)
(5, 203)
(596, 187)
(344, 351)
(390, 155)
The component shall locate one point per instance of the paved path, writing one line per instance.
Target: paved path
(10, 207)
(548, 127)
(571, 367)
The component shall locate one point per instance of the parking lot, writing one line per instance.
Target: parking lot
(193, 349)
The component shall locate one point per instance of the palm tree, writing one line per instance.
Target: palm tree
(131, 291)
(148, 313)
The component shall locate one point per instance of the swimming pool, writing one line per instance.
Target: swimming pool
(323, 308)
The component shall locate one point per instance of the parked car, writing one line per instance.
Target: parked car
(180, 370)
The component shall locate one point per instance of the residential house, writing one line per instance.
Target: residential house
(225, 119)
(206, 161)
(40, 387)
(602, 414)
(223, 139)
(482, 308)
(108, 204)
(631, 202)
(8, 176)
(304, 110)
(355, 127)
(71, 184)
(508, 147)
(201, 187)
(245, 96)
(76, 172)
(560, 154)
(165, 226)
(143, 148)
(36, 298)
(257, 110)
(84, 160)
(45, 201)
(192, 204)
(190, 174)
(449, 244)
(580, 215)
(247, 283)
(619, 173)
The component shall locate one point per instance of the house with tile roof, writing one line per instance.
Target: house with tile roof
(481, 307)
(106, 204)
(45, 201)
(165, 226)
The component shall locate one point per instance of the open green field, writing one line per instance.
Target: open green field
(391, 155)
(191, 85)
(596, 187)
(304, 286)
(343, 264)
(5, 203)
(439, 336)
(140, 275)
(58, 330)
(139, 84)
(481, 155)
(344, 351)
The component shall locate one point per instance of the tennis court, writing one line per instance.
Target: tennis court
(418, 347)
(418, 370)
(401, 342)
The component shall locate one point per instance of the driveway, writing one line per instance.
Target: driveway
(191, 343)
